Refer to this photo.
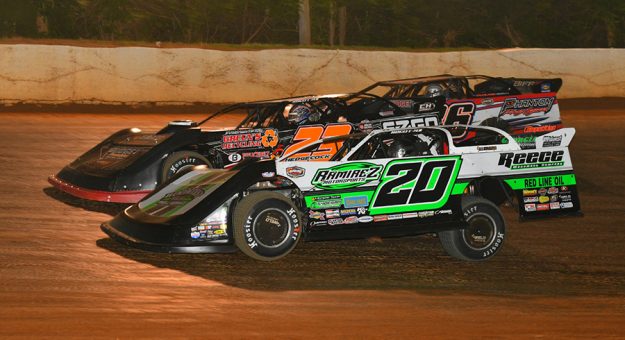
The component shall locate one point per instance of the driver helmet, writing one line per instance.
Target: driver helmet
(433, 90)
(407, 146)
(299, 113)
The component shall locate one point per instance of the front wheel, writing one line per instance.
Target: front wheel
(483, 236)
(267, 225)
(181, 160)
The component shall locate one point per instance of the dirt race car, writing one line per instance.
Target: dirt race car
(525, 108)
(387, 183)
(130, 163)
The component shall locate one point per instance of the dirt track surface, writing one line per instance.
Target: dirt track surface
(61, 276)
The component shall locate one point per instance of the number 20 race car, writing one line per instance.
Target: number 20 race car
(387, 183)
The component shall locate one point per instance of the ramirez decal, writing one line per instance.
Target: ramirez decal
(346, 175)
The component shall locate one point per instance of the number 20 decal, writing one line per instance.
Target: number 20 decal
(415, 184)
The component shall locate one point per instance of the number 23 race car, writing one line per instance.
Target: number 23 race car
(384, 182)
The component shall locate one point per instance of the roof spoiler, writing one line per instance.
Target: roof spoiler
(560, 138)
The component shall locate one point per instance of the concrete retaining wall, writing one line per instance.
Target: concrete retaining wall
(61, 74)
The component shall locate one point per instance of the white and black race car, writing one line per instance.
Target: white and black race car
(388, 183)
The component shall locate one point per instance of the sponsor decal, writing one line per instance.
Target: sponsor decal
(552, 190)
(249, 139)
(380, 218)
(552, 141)
(532, 199)
(530, 192)
(345, 176)
(361, 210)
(564, 189)
(515, 106)
(348, 212)
(542, 191)
(120, 152)
(235, 157)
(542, 207)
(270, 138)
(428, 213)
(427, 107)
(566, 205)
(543, 128)
(256, 154)
(529, 160)
(554, 198)
(525, 140)
(324, 202)
(410, 215)
(395, 217)
(195, 234)
(487, 101)
(365, 219)
(554, 205)
(335, 221)
(543, 199)
(545, 87)
(540, 182)
(408, 123)
(268, 174)
(523, 83)
(443, 212)
(316, 215)
(295, 171)
(332, 213)
(319, 223)
(350, 220)
(566, 197)
(530, 207)
(487, 148)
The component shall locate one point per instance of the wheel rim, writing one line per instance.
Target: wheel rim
(481, 231)
(271, 228)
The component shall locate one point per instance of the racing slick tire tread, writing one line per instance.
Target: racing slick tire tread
(454, 242)
(249, 208)
(178, 156)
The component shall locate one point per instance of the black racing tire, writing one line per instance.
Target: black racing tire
(267, 225)
(496, 123)
(180, 160)
(484, 235)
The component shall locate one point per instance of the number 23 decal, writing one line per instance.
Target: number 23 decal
(307, 135)
(415, 184)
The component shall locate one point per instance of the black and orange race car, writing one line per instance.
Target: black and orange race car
(131, 163)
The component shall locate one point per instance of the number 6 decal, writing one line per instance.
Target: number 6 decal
(415, 184)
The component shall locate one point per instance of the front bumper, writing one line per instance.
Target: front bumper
(164, 245)
(98, 195)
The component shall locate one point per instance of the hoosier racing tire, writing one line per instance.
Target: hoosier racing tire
(180, 160)
(267, 225)
(484, 234)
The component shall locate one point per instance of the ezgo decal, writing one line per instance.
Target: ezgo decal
(415, 184)
(345, 176)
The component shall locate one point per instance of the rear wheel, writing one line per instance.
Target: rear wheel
(484, 234)
(267, 225)
(181, 160)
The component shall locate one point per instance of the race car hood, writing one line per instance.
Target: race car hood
(165, 219)
(122, 160)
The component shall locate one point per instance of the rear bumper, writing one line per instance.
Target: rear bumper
(123, 238)
(98, 195)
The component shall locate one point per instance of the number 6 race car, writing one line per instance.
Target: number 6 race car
(384, 183)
